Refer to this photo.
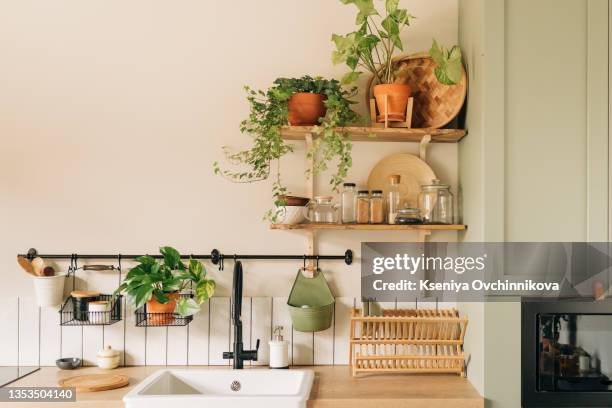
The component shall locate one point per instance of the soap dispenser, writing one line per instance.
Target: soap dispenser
(279, 349)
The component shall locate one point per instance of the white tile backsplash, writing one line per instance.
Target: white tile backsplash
(202, 342)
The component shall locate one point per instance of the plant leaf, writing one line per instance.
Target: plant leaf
(449, 67)
(366, 8)
(142, 295)
(350, 77)
(187, 307)
(171, 256)
(204, 290)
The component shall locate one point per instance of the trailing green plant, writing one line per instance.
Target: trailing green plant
(373, 45)
(153, 278)
(269, 112)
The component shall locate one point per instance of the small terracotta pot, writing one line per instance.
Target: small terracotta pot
(397, 96)
(161, 313)
(306, 108)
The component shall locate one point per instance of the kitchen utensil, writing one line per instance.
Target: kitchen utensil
(95, 382)
(38, 264)
(108, 358)
(98, 268)
(436, 203)
(48, 271)
(413, 173)
(290, 214)
(435, 104)
(81, 299)
(322, 210)
(49, 289)
(26, 265)
(68, 363)
(311, 303)
(294, 201)
(99, 311)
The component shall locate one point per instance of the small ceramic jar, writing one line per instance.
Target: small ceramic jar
(99, 312)
(108, 358)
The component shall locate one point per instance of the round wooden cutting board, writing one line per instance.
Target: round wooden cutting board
(413, 171)
(95, 382)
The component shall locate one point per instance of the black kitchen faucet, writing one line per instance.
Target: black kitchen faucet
(238, 354)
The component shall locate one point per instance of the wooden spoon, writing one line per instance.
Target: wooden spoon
(26, 265)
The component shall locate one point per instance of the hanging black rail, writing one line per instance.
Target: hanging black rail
(215, 256)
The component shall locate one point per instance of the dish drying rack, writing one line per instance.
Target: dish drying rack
(407, 341)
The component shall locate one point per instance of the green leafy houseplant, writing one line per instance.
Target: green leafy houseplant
(269, 112)
(373, 45)
(160, 281)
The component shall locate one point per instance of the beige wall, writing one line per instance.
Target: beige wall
(112, 112)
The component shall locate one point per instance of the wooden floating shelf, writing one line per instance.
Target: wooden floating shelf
(369, 227)
(373, 134)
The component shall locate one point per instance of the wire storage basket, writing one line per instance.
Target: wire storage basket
(75, 313)
(408, 341)
(149, 319)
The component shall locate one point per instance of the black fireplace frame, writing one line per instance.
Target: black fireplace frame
(530, 397)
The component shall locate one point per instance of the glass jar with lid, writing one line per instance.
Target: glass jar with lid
(348, 203)
(363, 207)
(436, 203)
(322, 210)
(377, 207)
(408, 216)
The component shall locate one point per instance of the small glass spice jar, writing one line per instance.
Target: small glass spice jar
(348, 203)
(408, 216)
(363, 207)
(377, 207)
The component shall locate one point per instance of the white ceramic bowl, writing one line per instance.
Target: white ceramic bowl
(290, 214)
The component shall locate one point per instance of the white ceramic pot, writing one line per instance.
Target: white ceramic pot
(108, 358)
(290, 214)
(49, 289)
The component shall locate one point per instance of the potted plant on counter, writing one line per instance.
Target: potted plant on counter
(159, 283)
(372, 47)
(296, 101)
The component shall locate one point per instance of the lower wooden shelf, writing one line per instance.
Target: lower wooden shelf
(370, 227)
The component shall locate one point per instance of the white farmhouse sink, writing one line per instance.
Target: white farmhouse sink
(252, 388)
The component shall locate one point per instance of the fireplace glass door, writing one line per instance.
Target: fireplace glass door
(574, 352)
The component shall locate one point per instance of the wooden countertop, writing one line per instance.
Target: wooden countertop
(333, 387)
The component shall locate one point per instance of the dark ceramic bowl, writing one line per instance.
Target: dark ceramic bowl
(68, 363)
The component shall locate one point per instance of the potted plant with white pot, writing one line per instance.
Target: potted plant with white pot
(372, 47)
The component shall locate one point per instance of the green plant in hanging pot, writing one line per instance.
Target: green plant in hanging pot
(296, 101)
(159, 283)
(372, 47)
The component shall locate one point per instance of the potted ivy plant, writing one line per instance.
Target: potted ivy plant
(283, 104)
(159, 283)
(372, 47)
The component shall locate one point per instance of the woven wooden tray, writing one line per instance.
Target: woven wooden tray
(435, 104)
(408, 341)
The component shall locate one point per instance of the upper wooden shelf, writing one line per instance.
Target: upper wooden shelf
(370, 134)
(369, 227)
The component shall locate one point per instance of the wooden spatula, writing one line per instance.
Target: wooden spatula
(26, 265)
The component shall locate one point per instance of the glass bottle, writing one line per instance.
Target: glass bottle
(348, 203)
(393, 198)
(363, 207)
(436, 203)
(377, 207)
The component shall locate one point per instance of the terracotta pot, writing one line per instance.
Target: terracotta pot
(397, 95)
(305, 108)
(161, 313)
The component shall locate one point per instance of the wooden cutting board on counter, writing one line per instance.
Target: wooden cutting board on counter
(95, 382)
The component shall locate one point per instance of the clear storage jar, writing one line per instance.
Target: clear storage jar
(377, 207)
(348, 203)
(436, 203)
(363, 207)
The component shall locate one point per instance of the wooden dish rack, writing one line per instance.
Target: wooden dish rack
(407, 341)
